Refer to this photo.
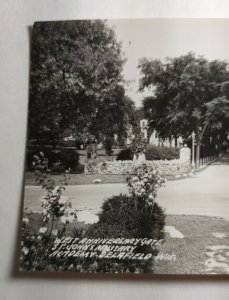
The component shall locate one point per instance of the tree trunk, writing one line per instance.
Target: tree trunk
(175, 141)
(170, 141)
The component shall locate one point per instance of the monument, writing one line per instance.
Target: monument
(185, 153)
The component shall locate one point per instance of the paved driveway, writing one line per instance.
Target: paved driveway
(207, 193)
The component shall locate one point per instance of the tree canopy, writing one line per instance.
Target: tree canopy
(76, 81)
(187, 95)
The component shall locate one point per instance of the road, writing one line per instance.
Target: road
(206, 193)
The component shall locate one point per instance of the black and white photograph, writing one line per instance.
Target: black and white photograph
(127, 156)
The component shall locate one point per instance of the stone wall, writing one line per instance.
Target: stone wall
(166, 167)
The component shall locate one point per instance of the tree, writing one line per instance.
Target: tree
(217, 115)
(75, 77)
(112, 118)
(183, 89)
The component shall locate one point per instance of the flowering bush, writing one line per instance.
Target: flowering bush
(143, 185)
(54, 206)
(59, 159)
(135, 216)
(35, 246)
(91, 167)
(55, 209)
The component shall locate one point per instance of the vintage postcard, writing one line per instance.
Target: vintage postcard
(127, 158)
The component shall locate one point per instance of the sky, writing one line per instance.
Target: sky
(160, 38)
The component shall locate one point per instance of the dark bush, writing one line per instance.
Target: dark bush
(119, 218)
(108, 146)
(125, 154)
(58, 159)
(69, 158)
(52, 156)
(57, 168)
(162, 153)
(79, 169)
(206, 151)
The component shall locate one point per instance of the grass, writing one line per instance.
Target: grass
(35, 222)
(190, 252)
(81, 179)
(78, 179)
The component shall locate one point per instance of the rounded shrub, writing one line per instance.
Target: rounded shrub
(69, 158)
(119, 218)
(125, 154)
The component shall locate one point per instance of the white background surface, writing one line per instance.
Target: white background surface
(15, 18)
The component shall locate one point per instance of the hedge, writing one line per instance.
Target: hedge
(162, 153)
(59, 159)
(125, 154)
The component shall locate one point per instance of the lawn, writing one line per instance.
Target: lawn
(190, 254)
(78, 179)
(81, 179)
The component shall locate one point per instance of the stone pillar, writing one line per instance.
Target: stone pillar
(185, 154)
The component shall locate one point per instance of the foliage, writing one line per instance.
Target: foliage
(119, 218)
(76, 82)
(35, 245)
(38, 256)
(79, 169)
(113, 118)
(135, 216)
(183, 88)
(92, 166)
(125, 154)
(69, 159)
(68, 143)
(217, 113)
(53, 204)
(208, 151)
(143, 185)
(161, 153)
(108, 145)
(58, 159)
(139, 143)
